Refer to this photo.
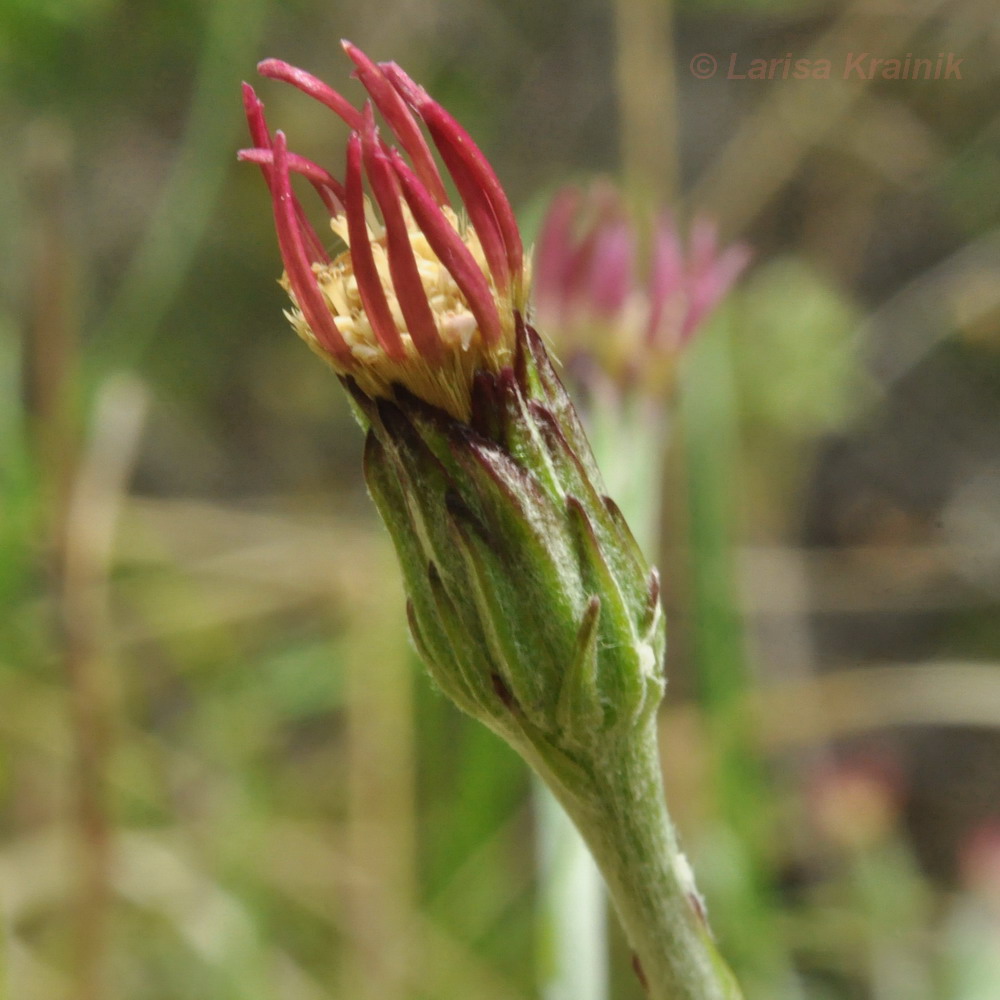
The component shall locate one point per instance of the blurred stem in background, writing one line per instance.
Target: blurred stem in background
(628, 440)
(184, 212)
(51, 360)
(81, 484)
(381, 797)
(647, 100)
(85, 427)
(737, 863)
(83, 557)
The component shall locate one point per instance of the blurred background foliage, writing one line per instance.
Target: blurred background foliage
(223, 774)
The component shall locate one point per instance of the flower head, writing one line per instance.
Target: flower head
(527, 596)
(422, 295)
(599, 303)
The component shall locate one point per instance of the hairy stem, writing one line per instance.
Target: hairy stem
(622, 816)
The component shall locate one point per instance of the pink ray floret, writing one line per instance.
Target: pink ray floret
(612, 268)
(711, 273)
(451, 251)
(260, 135)
(456, 146)
(326, 185)
(275, 69)
(553, 251)
(400, 120)
(297, 264)
(666, 278)
(402, 263)
(365, 272)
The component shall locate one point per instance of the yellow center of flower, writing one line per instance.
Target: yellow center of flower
(445, 382)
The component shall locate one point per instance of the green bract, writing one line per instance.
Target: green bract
(529, 599)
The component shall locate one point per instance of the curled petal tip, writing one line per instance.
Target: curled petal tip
(278, 69)
(252, 104)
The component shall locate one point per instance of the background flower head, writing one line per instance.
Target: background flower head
(620, 298)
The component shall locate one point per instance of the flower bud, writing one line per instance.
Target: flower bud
(528, 598)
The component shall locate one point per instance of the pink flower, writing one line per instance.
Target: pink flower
(856, 802)
(594, 298)
(421, 297)
(979, 860)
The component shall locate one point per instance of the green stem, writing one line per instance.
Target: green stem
(627, 435)
(621, 813)
(626, 823)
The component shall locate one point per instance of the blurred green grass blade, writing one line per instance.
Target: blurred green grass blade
(18, 492)
(185, 209)
(741, 847)
(708, 408)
